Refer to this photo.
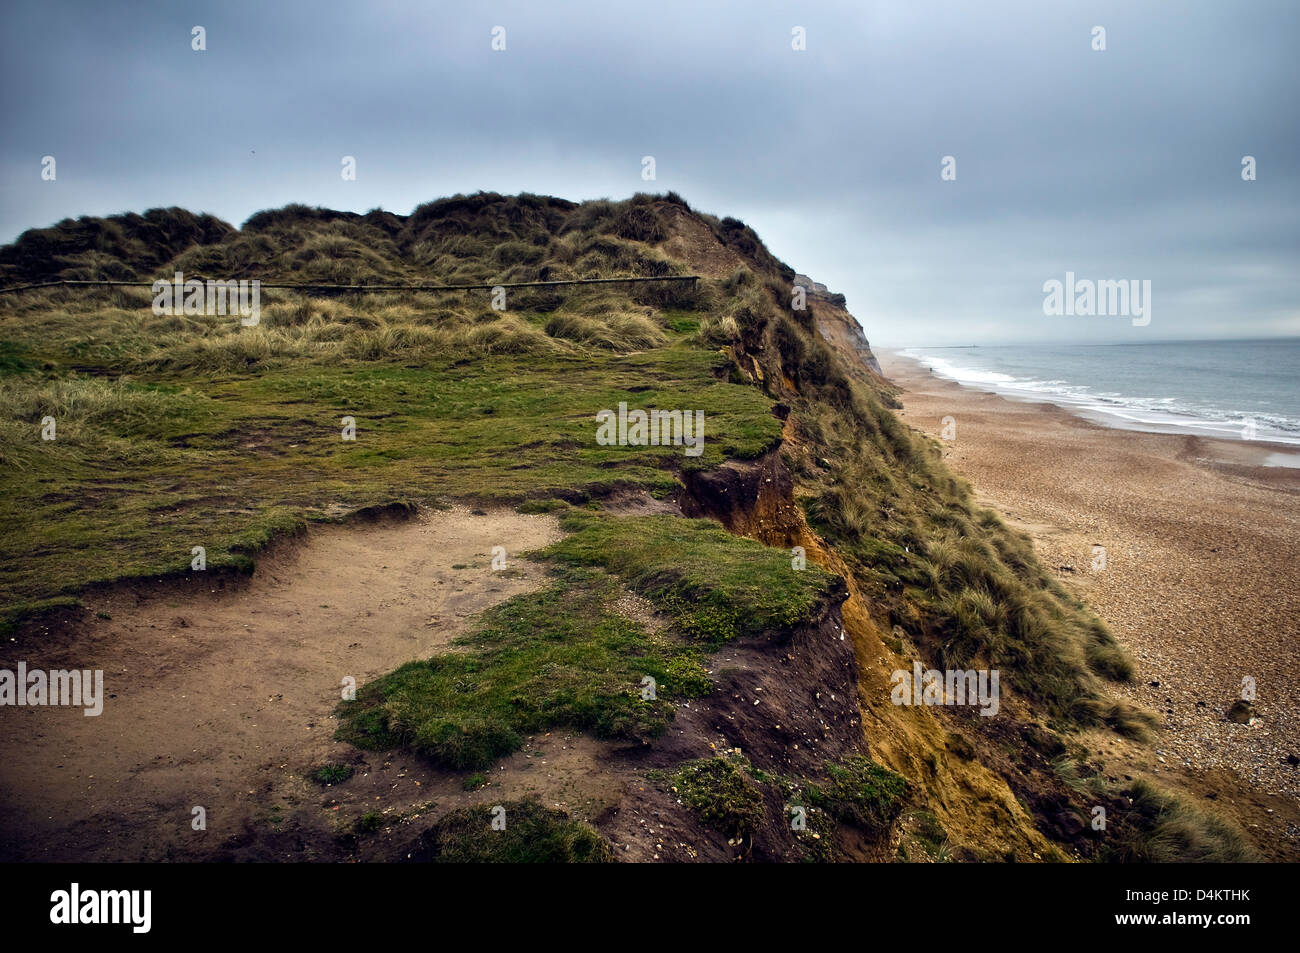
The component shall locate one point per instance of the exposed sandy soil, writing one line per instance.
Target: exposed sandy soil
(1202, 551)
(220, 693)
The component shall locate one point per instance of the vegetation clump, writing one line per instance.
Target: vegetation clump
(720, 794)
(1164, 827)
(527, 833)
(554, 658)
(716, 585)
(859, 792)
(333, 774)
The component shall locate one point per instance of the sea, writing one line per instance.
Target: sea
(1241, 390)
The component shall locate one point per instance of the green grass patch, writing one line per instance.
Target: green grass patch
(560, 657)
(682, 322)
(716, 586)
(141, 472)
(13, 359)
(546, 659)
(333, 774)
(860, 792)
(532, 835)
(720, 794)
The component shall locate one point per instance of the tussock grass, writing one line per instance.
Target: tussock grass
(118, 248)
(967, 590)
(1165, 827)
(719, 329)
(94, 418)
(92, 401)
(617, 332)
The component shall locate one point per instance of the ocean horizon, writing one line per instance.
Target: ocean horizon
(1244, 389)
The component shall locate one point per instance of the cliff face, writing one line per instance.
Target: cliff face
(840, 329)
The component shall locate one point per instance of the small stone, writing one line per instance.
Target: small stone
(1241, 713)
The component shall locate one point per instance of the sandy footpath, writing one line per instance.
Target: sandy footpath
(221, 697)
(1202, 555)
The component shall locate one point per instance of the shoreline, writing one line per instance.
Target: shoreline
(1201, 563)
(1256, 460)
(1258, 451)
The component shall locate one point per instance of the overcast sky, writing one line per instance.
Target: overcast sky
(1115, 164)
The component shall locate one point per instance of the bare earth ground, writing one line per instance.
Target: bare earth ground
(223, 698)
(222, 691)
(221, 695)
(1202, 550)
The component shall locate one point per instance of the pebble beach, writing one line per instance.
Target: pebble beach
(1189, 548)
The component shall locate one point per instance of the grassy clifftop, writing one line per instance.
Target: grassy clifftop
(175, 432)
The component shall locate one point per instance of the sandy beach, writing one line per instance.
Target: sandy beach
(1201, 559)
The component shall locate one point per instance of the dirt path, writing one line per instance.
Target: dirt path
(217, 697)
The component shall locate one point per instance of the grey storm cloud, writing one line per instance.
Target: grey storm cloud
(1122, 163)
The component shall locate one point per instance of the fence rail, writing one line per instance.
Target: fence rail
(363, 288)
